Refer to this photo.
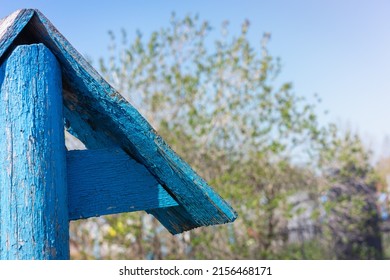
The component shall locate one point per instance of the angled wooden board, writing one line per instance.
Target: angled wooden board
(92, 102)
(11, 27)
(108, 181)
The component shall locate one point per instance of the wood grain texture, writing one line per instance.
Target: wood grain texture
(78, 127)
(33, 191)
(108, 181)
(110, 114)
(91, 101)
(11, 26)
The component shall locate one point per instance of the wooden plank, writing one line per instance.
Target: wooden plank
(33, 192)
(89, 95)
(11, 26)
(80, 129)
(108, 181)
(92, 101)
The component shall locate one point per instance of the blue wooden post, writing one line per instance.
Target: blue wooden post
(42, 186)
(33, 194)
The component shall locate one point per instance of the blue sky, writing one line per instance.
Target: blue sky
(338, 49)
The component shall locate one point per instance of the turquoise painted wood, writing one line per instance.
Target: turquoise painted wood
(108, 181)
(104, 109)
(11, 26)
(33, 191)
(79, 128)
(100, 117)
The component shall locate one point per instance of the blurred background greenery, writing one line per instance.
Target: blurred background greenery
(302, 189)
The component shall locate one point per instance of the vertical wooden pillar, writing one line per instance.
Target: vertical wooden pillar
(33, 194)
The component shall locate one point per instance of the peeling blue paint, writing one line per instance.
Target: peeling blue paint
(101, 118)
(33, 191)
(89, 95)
(108, 181)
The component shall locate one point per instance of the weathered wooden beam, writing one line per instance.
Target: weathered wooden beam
(34, 220)
(11, 26)
(108, 181)
(103, 108)
(93, 104)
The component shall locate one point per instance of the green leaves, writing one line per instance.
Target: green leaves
(219, 105)
(217, 99)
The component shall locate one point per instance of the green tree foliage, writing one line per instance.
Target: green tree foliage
(352, 221)
(218, 102)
